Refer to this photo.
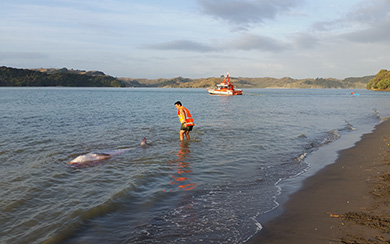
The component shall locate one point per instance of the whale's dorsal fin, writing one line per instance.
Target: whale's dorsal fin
(143, 142)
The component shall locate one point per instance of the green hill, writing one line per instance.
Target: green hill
(56, 77)
(380, 82)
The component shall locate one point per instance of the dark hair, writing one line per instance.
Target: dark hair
(178, 102)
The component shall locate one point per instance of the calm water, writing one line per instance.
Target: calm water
(213, 189)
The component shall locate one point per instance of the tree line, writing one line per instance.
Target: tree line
(25, 77)
(381, 81)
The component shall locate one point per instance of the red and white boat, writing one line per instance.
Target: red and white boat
(225, 88)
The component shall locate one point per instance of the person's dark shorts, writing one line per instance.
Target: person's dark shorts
(186, 128)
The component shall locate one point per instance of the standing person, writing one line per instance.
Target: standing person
(186, 120)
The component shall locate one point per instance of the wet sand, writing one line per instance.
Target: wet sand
(346, 202)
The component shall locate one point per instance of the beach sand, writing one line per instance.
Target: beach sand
(345, 202)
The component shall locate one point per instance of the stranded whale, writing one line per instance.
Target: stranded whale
(97, 156)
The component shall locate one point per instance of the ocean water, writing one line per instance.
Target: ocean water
(212, 189)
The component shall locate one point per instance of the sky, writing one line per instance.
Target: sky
(198, 38)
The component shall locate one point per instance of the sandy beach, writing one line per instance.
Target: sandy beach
(346, 202)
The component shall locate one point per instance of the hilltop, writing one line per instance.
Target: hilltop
(81, 78)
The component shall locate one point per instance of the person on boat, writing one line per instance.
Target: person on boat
(186, 120)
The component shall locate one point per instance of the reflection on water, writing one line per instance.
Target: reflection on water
(181, 167)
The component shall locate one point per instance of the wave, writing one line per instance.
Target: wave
(79, 217)
(322, 140)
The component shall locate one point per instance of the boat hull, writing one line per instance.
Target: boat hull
(224, 92)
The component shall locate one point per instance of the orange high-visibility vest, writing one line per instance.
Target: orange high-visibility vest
(188, 118)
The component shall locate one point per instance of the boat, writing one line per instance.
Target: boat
(225, 88)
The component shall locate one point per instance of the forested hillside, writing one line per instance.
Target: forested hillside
(381, 81)
(59, 77)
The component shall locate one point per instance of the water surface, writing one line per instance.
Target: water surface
(212, 189)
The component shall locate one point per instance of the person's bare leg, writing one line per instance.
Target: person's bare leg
(187, 135)
(182, 132)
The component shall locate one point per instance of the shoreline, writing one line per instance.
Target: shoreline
(347, 201)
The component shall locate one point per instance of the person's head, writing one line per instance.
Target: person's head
(178, 104)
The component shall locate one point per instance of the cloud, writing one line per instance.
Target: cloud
(369, 12)
(367, 22)
(374, 18)
(246, 12)
(365, 14)
(244, 42)
(304, 40)
(256, 42)
(374, 34)
(183, 45)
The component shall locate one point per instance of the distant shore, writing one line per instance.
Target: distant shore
(346, 202)
(81, 78)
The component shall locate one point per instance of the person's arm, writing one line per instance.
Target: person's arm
(183, 116)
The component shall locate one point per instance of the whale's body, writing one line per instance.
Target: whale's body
(97, 156)
(93, 157)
